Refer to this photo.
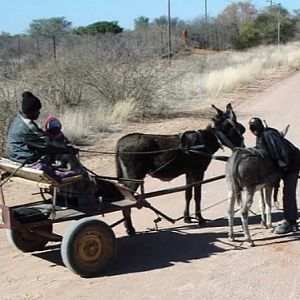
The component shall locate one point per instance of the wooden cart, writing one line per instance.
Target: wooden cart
(89, 244)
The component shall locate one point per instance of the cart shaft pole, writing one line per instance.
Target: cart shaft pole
(179, 188)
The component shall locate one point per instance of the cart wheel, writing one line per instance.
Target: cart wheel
(88, 246)
(26, 240)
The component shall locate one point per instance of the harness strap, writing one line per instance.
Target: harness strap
(222, 139)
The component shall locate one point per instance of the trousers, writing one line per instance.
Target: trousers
(290, 209)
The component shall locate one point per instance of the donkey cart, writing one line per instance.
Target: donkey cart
(89, 244)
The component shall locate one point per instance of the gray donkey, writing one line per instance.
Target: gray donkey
(249, 170)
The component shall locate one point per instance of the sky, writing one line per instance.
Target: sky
(16, 15)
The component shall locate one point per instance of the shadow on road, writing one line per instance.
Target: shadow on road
(253, 219)
(154, 250)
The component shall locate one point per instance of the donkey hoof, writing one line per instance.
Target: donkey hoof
(263, 224)
(201, 221)
(187, 220)
(250, 243)
(130, 231)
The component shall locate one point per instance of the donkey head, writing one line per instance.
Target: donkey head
(227, 129)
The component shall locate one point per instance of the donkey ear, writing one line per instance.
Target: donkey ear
(230, 113)
(219, 111)
(285, 130)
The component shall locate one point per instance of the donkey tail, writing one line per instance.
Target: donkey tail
(232, 174)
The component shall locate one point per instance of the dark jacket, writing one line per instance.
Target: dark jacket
(282, 151)
(27, 142)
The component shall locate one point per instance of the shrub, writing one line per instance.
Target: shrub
(9, 107)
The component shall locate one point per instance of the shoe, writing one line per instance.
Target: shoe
(286, 227)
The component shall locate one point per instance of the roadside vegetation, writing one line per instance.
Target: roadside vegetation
(98, 77)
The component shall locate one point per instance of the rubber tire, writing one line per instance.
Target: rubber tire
(28, 241)
(88, 247)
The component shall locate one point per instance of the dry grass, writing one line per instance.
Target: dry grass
(107, 119)
(76, 126)
(78, 90)
(79, 125)
(218, 82)
(9, 92)
(228, 71)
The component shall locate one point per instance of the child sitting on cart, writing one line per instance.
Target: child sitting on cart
(53, 129)
(63, 162)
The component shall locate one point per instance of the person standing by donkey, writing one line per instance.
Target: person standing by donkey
(286, 158)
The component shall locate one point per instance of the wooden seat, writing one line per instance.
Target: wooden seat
(33, 175)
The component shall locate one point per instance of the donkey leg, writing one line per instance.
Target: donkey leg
(262, 207)
(188, 197)
(132, 187)
(268, 209)
(186, 213)
(231, 198)
(197, 196)
(127, 221)
(246, 205)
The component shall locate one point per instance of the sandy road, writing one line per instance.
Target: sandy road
(179, 260)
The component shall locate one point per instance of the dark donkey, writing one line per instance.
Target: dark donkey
(168, 156)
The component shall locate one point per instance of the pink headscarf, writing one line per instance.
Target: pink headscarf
(53, 129)
(52, 122)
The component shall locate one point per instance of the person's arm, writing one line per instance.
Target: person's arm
(277, 148)
(36, 141)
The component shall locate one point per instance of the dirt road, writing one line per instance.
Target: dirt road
(179, 261)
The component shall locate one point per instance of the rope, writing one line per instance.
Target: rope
(162, 166)
(125, 152)
(206, 208)
(216, 157)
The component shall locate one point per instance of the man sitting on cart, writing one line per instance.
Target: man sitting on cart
(29, 145)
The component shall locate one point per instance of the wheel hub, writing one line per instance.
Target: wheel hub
(90, 247)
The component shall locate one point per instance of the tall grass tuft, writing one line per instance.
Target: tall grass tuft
(227, 71)
(76, 126)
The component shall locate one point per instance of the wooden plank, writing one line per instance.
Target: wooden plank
(34, 175)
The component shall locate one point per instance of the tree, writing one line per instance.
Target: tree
(100, 27)
(248, 36)
(296, 16)
(267, 23)
(4, 34)
(141, 22)
(238, 13)
(229, 21)
(176, 24)
(50, 27)
(264, 28)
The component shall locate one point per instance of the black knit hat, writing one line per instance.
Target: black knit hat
(30, 103)
(256, 124)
